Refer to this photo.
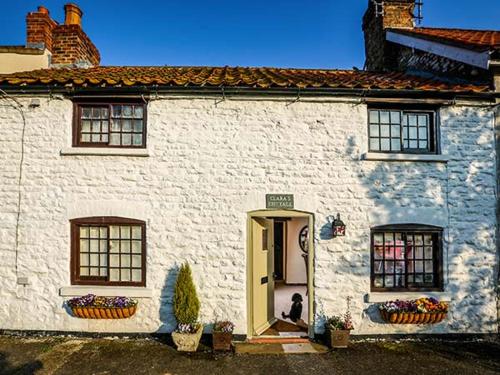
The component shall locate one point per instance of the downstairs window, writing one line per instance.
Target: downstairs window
(108, 251)
(406, 258)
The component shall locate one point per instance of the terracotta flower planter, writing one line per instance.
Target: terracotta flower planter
(187, 342)
(412, 318)
(222, 341)
(338, 338)
(104, 312)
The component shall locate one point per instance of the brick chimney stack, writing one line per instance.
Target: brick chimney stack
(68, 43)
(380, 16)
(39, 28)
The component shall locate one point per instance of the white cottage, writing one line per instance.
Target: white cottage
(111, 177)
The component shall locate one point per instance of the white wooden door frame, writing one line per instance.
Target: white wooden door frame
(310, 274)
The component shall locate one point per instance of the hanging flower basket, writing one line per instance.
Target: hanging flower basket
(412, 318)
(93, 307)
(420, 311)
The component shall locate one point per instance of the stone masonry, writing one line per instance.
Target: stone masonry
(210, 163)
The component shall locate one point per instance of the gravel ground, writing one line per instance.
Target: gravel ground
(63, 355)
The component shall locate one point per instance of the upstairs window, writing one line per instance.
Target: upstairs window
(108, 251)
(401, 131)
(406, 257)
(110, 125)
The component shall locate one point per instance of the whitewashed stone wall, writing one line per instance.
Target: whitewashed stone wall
(210, 163)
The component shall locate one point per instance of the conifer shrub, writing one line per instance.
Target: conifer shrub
(186, 302)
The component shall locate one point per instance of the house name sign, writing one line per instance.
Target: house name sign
(279, 200)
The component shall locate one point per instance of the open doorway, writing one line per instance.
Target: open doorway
(280, 279)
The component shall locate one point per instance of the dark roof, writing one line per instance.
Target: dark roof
(112, 76)
(480, 40)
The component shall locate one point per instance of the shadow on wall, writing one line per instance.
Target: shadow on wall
(470, 265)
(26, 368)
(167, 318)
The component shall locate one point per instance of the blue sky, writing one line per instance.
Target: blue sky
(292, 33)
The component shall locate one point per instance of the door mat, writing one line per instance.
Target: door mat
(280, 348)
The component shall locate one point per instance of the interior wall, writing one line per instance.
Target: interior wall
(295, 265)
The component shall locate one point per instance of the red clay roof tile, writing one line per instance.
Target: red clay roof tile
(470, 39)
(234, 77)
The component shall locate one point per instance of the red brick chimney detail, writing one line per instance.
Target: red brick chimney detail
(39, 28)
(68, 43)
(394, 14)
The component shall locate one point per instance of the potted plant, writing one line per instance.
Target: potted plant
(96, 307)
(186, 309)
(338, 328)
(419, 311)
(222, 335)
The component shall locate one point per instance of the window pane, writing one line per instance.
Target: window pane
(138, 113)
(117, 110)
(378, 282)
(94, 260)
(125, 247)
(395, 119)
(137, 139)
(126, 125)
(374, 117)
(103, 260)
(378, 267)
(105, 126)
(395, 131)
(419, 266)
(126, 139)
(389, 281)
(115, 125)
(136, 261)
(114, 246)
(94, 272)
(94, 246)
(412, 120)
(85, 138)
(84, 260)
(395, 144)
(103, 271)
(86, 126)
(124, 232)
(86, 112)
(136, 232)
(138, 125)
(84, 271)
(374, 144)
(374, 131)
(125, 259)
(422, 133)
(114, 274)
(114, 231)
(385, 145)
(136, 246)
(114, 139)
(136, 275)
(127, 111)
(84, 246)
(114, 261)
(384, 117)
(84, 232)
(429, 266)
(384, 130)
(125, 275)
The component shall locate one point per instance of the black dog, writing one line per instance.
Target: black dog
(295, 310)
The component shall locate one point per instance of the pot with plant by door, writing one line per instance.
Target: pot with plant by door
(186, 309)
(338, 328)
(222, 335)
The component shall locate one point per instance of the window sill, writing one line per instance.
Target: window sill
(381, 156)
(105, 291)
(98, 151)
(391, 296)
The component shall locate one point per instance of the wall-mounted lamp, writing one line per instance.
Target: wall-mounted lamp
(338, 227)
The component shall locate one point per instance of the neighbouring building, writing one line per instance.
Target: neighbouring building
(111, 177)
(49, 44)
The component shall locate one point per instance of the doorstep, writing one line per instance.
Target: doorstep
(279, 346)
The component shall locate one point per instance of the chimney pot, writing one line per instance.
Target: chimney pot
(73, 14)
(42, 9)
